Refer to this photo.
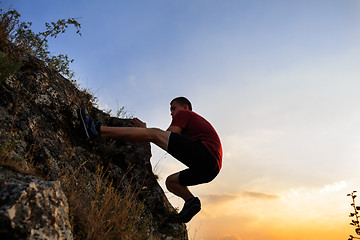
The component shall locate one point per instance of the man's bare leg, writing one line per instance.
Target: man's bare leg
(174, 186)
(157, 136)
(192, 204)
(137, 134)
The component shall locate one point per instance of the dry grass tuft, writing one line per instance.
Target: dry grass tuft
(99, 211)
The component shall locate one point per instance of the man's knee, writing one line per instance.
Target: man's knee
(155, 133)
(172, 180)
(159, 137)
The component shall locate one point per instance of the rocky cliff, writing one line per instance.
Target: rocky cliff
(55, 184)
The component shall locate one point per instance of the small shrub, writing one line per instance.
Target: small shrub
(354, 215)
(12, 30)
(7, 67)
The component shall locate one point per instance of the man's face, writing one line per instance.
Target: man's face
(175, 107)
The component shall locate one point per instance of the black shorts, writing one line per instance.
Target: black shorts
(202, 166)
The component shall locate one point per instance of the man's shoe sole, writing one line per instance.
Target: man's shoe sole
(84, 124)
(193, 210)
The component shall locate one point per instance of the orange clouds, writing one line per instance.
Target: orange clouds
(225, 197)
(230, 237)
(304, 213)
(259, 195)
(218, 198)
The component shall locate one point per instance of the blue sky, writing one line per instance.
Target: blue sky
(278, 80)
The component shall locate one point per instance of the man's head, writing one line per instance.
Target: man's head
(179, 103)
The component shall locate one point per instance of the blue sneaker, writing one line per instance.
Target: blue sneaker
(190, 209)
(92, 126)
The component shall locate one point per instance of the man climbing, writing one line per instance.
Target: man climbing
(190, 138)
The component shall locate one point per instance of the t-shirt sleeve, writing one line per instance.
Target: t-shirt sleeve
(180, 119)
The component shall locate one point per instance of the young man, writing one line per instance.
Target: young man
(190, 138)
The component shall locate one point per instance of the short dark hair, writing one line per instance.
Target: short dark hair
(182, 101)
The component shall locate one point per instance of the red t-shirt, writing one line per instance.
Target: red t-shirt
(197, 127)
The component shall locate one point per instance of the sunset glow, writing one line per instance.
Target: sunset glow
(279, 81)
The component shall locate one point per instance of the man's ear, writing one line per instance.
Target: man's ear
(186, 107)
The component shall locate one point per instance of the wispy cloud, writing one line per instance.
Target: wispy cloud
(226, 197)
(219, 198)
(334, 187)
(259, 195)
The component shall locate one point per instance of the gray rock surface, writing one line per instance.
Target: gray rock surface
(39, 123)
(31, 208)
